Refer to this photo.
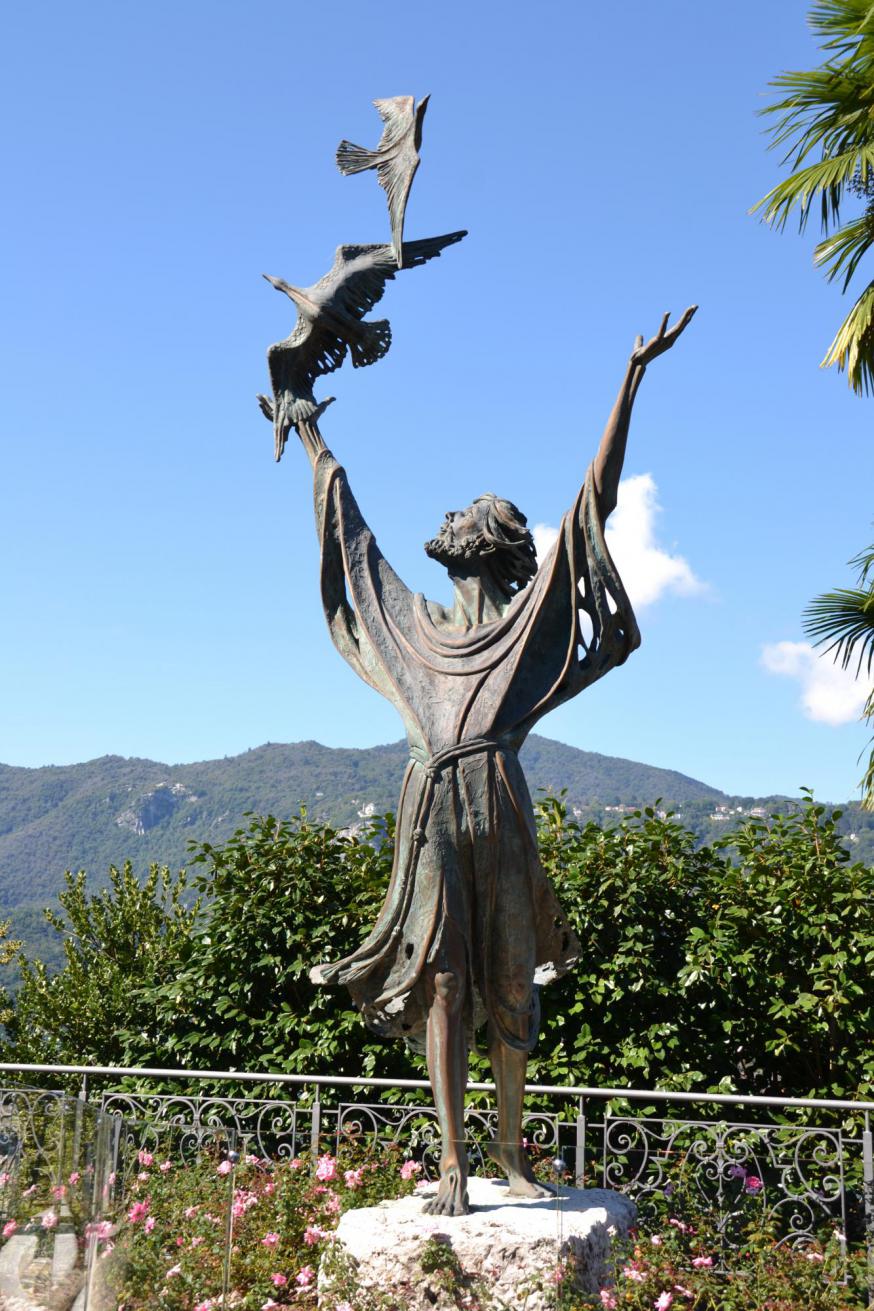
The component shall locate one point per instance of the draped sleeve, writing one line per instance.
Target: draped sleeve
(579, 622)
(369, 610)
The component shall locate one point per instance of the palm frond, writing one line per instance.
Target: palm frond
(853, 346)
(839, 256)
(845, 618)
(842, 21)
(827, 178)
(866, 783)
(864, 562)
(826, 107)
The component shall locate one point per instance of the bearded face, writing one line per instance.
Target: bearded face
(491, 536)
(460, 538)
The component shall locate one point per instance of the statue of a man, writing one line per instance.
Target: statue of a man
(470, 924)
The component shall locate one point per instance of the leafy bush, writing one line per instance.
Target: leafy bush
(741, 966)
(117, 945)
(698, 971)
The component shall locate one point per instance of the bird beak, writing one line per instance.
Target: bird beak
(280, 284)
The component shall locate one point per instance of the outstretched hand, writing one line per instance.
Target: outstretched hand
(663, 340)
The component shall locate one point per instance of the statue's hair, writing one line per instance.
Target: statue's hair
(505, 537)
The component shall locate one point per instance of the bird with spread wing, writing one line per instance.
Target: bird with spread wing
(330, 322)
(395, 159)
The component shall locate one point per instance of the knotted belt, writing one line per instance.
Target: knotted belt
(434, 766)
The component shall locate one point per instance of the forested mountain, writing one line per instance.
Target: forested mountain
(92, 815)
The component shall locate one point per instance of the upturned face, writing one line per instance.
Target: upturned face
(460, 537)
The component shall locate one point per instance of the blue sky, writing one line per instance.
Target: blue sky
(160, 583)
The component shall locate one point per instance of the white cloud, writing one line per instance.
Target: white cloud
(829, 694)
(544, 536)
(646, 569)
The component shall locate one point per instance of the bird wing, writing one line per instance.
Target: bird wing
(397, 113)
(419, 252)
(398, 159)
(295, 364)
(357, 279)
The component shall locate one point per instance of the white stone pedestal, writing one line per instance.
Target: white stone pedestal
(512, 1245)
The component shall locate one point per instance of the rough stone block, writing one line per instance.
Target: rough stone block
(512, 1245)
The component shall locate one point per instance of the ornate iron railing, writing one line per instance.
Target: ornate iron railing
(803, 1176)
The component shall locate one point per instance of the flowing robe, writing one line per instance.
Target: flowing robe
(466, 860)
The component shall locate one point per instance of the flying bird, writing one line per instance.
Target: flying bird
(330, 322)
(395, 159)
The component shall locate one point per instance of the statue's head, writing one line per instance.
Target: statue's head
(491, 534)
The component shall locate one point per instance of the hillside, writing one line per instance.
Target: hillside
(104, 811)
(90, 815)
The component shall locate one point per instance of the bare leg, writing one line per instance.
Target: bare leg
(508, 1066)
(447, 1070)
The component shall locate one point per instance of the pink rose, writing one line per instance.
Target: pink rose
(608, 1299)
(145, 1158)
(150, 1224)
(173, 1271)
(632, 1273)
(753, 1184)
(225, 1167)
(326, 1170)
(9, 1228)
(664, 1301)
(137, 1211)
(353, 1178)
(409, 1169)
(305, 1276)
(165, 1167)
(270, 1240)
(702, 1262)
(279, 1280)
(49, 1220)
(74, 1178)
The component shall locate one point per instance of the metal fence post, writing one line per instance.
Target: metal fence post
(580, 1156)
(233, 1157)
(316, 1124)
(868, 1197)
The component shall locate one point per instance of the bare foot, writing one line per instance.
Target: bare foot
(515, 1164)
(451, 1196)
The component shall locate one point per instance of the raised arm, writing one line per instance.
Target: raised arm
(611, 452)
(311, 439)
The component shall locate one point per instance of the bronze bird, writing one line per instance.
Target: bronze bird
(395, 159)
(330, 320)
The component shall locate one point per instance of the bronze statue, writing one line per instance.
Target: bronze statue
(470, 925)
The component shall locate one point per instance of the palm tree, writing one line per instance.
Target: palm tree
(845, 620)
(828, 114)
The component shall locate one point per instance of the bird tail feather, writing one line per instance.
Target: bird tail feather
(354, 159)
(374, 343)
